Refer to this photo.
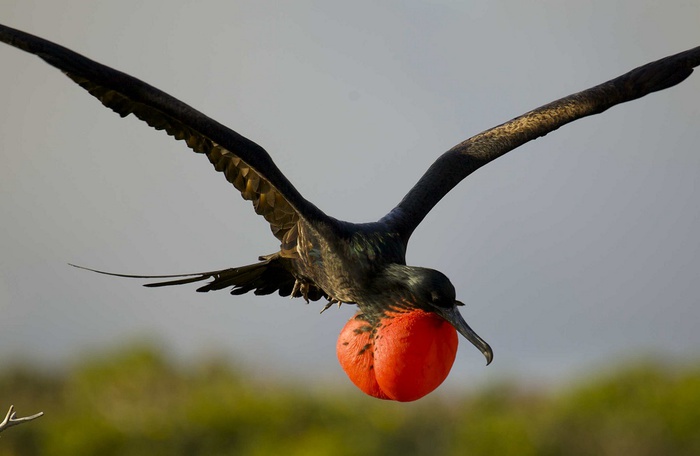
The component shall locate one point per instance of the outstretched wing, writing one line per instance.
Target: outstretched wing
(470, 155)
(245, 164)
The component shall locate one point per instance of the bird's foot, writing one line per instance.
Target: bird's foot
(330, 302)
(300, 289)
(12, 420)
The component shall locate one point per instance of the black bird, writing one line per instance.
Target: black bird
(399, 345)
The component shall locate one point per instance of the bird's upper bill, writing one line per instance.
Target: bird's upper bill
(452, 315)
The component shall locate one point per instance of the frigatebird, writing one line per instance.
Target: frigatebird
(402, 342)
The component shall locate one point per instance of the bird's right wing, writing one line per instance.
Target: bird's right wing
(245, 164)
(468, 156)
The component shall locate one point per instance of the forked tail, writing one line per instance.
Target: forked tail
(266, 277)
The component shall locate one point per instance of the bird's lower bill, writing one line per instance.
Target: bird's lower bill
(406, 356)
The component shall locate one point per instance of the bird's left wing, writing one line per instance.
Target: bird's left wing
(465, 158)
(245, 164)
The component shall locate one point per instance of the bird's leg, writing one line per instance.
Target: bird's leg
(295, 289)
(300, 289)
(12, 420)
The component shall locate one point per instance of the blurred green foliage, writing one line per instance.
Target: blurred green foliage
(136, 402)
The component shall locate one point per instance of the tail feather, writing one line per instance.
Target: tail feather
(264, 278)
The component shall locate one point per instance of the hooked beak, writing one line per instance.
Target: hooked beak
(453, 316)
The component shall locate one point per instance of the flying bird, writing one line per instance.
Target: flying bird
(402, 342)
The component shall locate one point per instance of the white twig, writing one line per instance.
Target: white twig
(12, 420)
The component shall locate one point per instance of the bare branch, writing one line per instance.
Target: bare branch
(12, 420)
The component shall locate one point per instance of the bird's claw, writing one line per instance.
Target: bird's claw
(300, 289)
(12, 420)
(330, 302)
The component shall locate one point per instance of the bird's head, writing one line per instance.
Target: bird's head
(402, 345)
(432, 291)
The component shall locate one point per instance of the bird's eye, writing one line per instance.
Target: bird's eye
(439, 300)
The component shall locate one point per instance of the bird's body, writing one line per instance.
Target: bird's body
(402, 342)
(345, 259)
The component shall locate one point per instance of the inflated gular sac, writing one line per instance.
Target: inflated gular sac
(404, 357)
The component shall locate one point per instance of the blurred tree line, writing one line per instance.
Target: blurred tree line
(136, 402)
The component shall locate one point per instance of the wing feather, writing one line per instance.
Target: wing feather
(465, 158)
(245, 164)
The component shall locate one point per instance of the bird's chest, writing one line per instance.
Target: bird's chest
(344, 266)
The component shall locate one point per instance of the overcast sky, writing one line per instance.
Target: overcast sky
(569, 252)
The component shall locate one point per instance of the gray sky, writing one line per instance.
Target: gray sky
(572, 250)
